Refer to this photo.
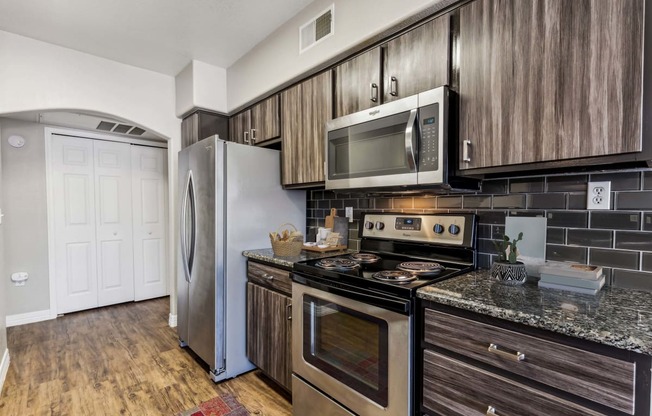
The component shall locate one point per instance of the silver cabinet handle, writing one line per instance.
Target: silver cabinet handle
(289, 311)
(516, 356)
(393, 86)
(246, 137)
(253, 136)
(466, 157)
(491, 411)
(374, 92)
(268, 276)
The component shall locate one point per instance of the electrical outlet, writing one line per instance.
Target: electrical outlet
(598, 196)
(349, 213)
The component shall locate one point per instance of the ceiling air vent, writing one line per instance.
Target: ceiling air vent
(122, 128)
(105, 126)
(316, 30)
(137, 131)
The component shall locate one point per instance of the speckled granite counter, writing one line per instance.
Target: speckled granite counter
(618, 317)
(267, 255)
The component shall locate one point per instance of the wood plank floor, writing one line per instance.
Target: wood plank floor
(117, 360)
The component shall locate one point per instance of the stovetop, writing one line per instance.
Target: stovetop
(447, 239)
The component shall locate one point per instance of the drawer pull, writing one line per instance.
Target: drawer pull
(516, 356)
(268, 276)
(491, 411)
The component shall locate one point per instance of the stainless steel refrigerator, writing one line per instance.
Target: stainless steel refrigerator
(230, 199)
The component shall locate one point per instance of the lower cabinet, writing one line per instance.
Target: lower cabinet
(474, 364)
(269, 325)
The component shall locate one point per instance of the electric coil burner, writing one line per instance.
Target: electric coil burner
(365, 257)
(395, 276)
(337, 263)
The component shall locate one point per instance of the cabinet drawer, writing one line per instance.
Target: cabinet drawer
(270, 276)
(451, 387)
(605, 380)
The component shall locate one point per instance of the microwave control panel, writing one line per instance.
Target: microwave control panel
(429, 125)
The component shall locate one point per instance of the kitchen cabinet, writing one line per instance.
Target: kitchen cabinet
(549, 80)
(269, 329)
(306, 109)
(258, 124)
(202, 124)
(475, 364)
(413, 62)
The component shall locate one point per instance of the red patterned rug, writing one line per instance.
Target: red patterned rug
(223, 405)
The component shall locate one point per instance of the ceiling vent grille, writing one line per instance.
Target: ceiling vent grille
(105, 126)
(316, 30)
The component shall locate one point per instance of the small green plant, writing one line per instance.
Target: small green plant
(507, 245)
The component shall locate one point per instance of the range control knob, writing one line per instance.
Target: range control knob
(380, 225)
(369, 225)
(454, 229)
(438, 228)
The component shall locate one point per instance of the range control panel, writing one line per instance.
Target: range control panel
(451, 229)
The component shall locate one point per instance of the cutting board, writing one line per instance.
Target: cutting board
(330, 219)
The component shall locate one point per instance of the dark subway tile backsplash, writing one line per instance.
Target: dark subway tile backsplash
(620, 240)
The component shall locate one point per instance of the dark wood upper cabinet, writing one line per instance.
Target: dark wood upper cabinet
(200, 125)
(549, 80)
(413, 62)
(417, 60)
(258, 124)
(306, 108)
(357, 83)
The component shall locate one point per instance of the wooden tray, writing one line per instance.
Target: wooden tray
(323, 250)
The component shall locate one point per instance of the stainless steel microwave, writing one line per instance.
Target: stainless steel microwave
(399, 144)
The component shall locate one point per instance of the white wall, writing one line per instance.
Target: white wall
(3, 297)
(201, 85)
(277, 59)
(37, 76)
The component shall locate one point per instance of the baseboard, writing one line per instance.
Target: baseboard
(29, 317)
(4, 367)
(172, 321)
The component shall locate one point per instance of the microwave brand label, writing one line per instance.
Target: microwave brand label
(373, 113)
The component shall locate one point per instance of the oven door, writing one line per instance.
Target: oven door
(353, 351)
(372, 148)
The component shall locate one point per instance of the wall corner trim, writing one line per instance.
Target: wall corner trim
(4, 367)
(172, 321)
(29, 317)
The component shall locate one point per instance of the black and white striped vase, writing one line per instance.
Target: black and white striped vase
(509, 273)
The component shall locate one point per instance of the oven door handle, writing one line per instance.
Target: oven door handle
(394, 305)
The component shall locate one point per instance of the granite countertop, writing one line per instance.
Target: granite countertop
(267, 255)
(617, 317)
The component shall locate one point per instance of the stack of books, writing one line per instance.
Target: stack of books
(580, 278)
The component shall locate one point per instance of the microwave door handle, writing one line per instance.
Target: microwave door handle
(409, 140)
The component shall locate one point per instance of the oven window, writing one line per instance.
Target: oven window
(347, 345)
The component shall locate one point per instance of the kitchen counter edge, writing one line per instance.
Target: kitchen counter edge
(266, 255)
(618, 317)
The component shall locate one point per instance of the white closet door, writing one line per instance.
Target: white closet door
(150, 219)
(74, 223)
(115, 257)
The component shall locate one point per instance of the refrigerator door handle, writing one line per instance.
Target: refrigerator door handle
(188, 252)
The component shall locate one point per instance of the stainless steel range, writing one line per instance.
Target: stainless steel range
(353, 316)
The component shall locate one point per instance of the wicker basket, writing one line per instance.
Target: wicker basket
(287, 248)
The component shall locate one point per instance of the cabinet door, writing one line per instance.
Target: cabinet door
(357, 83)
(265, 120)
(239, 126)
(549, 80)
(201, 125)
(293, 164)
(417, 60)
(268, 333)
(317, 105)
(189, 130)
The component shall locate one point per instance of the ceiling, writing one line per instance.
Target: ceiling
(159, 35)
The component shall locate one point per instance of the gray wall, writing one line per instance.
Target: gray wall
(3, 297)
(620, 239)
(25, 221)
